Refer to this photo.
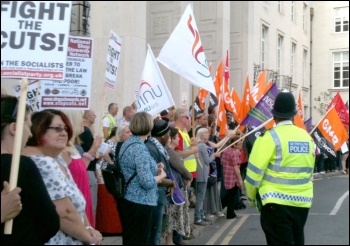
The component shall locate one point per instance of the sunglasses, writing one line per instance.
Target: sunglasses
(58, 129)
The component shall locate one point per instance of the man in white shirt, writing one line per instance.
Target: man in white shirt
(128, 113)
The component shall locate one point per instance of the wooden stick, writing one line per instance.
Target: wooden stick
(192, 100)
(100, 123)
(17, 144)
(246, 135)
(36, 96)
(227, 139)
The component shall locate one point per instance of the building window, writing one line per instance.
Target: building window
(304, 67)
(292, 60)
(80, 18)
(263, 47)
(341, 19)
(279, 55)
(341, 69)
(304, 16)
(292, 11)
(279, 6)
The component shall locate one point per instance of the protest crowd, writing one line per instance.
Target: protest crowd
(213, 156)
(60, 147)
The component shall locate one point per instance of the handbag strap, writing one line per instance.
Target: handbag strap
(134, 175)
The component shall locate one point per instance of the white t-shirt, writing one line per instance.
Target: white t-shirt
(344, 148)
(106, 122)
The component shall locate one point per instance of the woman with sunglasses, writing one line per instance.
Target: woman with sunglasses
(35, 219)
(52, 132)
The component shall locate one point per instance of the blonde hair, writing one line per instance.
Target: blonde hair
(179, 113)
(76, 119)
(200, 134)
(120, 131)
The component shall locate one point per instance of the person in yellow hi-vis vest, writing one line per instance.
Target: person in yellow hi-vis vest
(187, 147)
(278, 179)
(109, 120)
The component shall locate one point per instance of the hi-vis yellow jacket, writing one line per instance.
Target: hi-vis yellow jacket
(112, 123)
(281, 166)
(190, 161)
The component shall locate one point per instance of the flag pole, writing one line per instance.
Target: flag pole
(20, 118)
(192, 111)
(227, 139)
(100, 123)
(246, 135)
(36, 96)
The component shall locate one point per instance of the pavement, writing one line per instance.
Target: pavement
(197, 230)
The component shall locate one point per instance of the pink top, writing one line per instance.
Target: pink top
(77, 167)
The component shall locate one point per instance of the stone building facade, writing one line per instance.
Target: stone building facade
(303, 45)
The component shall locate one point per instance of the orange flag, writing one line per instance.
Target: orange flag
(300, 106)
(221, 121)
(269, 85)
(218, 80)
(340, 107)
(259, 89)
(271, 124)
(202, 94)
(236, 105)
(245, 105)
(229, 106)
(299, 122)
(330, 134)
(331, 129)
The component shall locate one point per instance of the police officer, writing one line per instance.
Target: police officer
(279, 175)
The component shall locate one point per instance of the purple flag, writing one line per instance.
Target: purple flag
(308, 124)
(262, 111)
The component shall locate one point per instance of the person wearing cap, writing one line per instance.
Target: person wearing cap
(155, 145)
(278, 179)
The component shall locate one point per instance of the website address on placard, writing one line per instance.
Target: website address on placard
(31, 74)
(71, 102)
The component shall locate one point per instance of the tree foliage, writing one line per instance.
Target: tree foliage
(322, 102)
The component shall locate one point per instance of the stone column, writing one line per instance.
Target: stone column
(128, 21)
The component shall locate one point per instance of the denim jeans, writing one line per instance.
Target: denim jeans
(200, 195)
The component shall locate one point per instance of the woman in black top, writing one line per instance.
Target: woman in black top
(38, 221)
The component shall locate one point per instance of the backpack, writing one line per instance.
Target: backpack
(114, 178)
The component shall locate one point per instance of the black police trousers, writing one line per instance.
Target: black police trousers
(283, 225)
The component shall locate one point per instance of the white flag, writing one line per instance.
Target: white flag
(154, 95)
(183, 53)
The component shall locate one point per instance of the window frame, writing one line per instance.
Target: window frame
(340, 18)
(263, 46)
(341, 71)
(279, 56)
(305, 53)
(293, 52)
(292, 11)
